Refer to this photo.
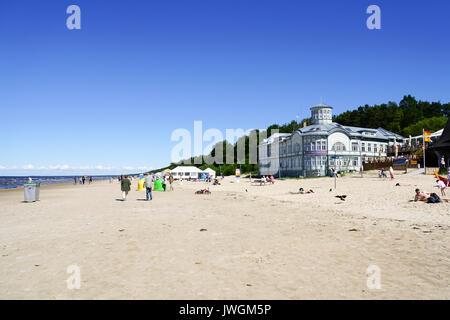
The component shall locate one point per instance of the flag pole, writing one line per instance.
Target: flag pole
(424, 165)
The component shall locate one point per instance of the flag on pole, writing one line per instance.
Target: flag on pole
(426, 137)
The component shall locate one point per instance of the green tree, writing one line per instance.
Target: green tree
(430, 124)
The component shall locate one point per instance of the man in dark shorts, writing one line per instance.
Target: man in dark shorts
(428, 197)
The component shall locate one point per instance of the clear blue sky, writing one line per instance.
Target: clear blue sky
(110, 95)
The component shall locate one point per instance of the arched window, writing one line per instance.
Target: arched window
(338, 146)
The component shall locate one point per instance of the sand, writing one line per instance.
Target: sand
(260, 242)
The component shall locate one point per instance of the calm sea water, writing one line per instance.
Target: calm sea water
(17, 182)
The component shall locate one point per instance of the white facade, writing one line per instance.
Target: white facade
(186, 172)
(316, 149)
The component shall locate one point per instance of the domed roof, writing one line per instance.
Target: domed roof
(321, 105)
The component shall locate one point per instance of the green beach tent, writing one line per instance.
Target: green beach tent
(158, 185)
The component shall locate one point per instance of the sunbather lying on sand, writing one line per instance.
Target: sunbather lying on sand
(428, 197)
(302, 191)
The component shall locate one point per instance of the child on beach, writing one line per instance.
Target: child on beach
(441, 185)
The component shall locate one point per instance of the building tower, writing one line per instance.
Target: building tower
(321, 114)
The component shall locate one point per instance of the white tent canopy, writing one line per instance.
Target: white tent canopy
(433, 135)
(211, 172)
(186, 172)
(437, 133)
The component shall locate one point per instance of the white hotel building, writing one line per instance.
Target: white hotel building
(316, 149)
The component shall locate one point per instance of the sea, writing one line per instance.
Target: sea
(10, 182)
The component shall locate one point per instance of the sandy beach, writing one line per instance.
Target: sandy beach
(257, 242)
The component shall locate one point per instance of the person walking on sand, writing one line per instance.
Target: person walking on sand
(75, 180)
(164, 183)
(90, 179)
(148, 183)
(272, 179)
(84, 179)
(125, 186)
(391, 172)
(171, 183)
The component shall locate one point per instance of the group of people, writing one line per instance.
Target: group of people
(149, 183)
(431, 197)
(270, 179)
(120, 178)
(82, 180)
(382, 173)
(164, 182)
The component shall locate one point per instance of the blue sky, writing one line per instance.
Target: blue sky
(106, 98)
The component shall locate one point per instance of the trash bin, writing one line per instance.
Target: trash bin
(31, 191)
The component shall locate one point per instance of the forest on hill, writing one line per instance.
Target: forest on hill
(406, 118)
